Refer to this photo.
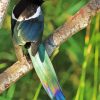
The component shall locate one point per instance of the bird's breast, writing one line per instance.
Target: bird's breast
(27, 31)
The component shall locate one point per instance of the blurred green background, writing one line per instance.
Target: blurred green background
(77, 61)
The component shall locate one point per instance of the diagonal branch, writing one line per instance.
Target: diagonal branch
(13, 73)
(79, 21)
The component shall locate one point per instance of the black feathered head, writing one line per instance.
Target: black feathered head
(38, 2)
(19, 8)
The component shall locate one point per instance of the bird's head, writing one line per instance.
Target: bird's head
(26, 8)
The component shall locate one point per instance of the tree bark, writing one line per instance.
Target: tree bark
(3, 8)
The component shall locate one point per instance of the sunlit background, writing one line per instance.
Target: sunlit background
(76, 62)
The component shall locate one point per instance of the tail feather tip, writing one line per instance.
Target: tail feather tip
(59, 95)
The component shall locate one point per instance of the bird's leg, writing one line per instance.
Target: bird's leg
(19, 52)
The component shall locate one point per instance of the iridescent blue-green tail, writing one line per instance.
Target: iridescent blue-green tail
(46, 73)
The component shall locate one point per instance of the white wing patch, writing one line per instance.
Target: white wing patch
(37, 14)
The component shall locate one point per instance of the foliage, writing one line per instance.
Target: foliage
(76, 62)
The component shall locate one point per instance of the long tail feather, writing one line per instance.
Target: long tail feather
(46, 73)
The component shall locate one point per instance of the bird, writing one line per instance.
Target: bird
(27, 25)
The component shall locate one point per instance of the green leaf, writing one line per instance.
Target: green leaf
(37, 92)
(10, 92)
(3, 65)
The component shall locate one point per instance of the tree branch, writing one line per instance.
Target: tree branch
(3, 9)
(79, 21)
(13, 73)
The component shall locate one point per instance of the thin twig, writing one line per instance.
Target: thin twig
(79, 21)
